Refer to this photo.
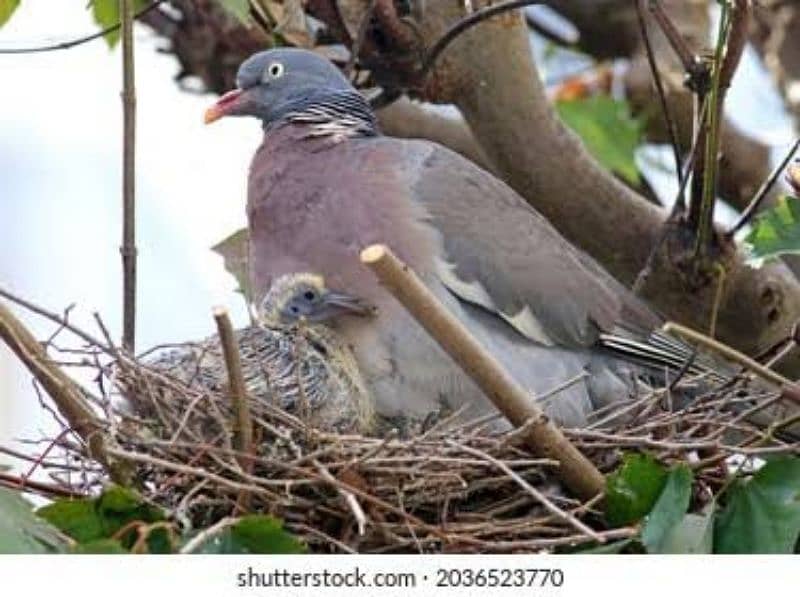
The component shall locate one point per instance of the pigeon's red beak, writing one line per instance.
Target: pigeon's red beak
(224, 106)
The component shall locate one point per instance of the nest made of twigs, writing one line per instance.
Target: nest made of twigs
(452, 486)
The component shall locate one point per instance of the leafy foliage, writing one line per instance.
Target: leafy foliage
(118, 515)
(254, 534)
(609, 131)
(693, 534)
(669, 509)
(776, 231)
(106, 14)
(632, 490)
(762, 514)
(7, 8)
(21, 531)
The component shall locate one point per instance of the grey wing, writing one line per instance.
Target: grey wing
(504, 256)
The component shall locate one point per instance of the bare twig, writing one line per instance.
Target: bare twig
(468, 22)
(537, 495)
(207, 534)
(66, 394)
(577, 472)
(243, 424)
(128, 249)
(729, 353)
(755, 203)
(54, 317)
(669, 121)
(66, 45)
(686, 56)
(349, 498)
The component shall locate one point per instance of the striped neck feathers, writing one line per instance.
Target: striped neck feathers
(337, 114)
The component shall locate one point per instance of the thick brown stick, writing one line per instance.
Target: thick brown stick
(243, 425)
(66, 394)
(128, 249)
(507, 395)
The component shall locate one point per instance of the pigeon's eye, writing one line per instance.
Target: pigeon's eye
(274, 71)
(309, 295)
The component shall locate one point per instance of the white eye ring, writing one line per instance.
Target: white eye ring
(274, 71)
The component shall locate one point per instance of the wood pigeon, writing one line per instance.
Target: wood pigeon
(325, 183)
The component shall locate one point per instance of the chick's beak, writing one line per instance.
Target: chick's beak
(340, 302)
(225, 105)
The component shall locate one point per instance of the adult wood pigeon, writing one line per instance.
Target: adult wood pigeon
(325, 183)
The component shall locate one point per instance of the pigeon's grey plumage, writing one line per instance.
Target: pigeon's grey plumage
(325, 184)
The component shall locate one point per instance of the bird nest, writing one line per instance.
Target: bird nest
(446, 486)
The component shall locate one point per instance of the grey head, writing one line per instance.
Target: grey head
(304, 296)
(285, 83)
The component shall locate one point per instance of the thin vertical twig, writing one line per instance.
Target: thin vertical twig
(669, 121)
(128, 249)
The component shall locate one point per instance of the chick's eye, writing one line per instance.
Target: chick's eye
(309, 295)
(274, 70)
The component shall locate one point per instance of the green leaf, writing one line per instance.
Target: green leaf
(254, 534)
(608, 130)
(669, 510)
(92, 519)
(20, 529)
(762, 515)
(106, 14)
(76, 518)
(237, 8)
(693, 534)
(7, 8)
(632, 490)
(101, 546)
(776, 231)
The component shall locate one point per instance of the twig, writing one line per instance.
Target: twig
(128, 249)
(731, 354)
(537, 495)
(466, 23)
(687, 58)
(755, 203)
(361, 36)
(54, 317)
(349, 498)
(669, 121)
(577, 472)
(45, 489)
(243, 424)
(206, 534)
(66, 45)
(66, 394)
(718, 294)
(702, 208)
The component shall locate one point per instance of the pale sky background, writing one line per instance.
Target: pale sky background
(60, 146)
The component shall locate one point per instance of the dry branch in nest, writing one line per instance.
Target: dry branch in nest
(442, 485)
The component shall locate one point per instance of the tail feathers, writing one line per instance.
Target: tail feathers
(660, 351)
